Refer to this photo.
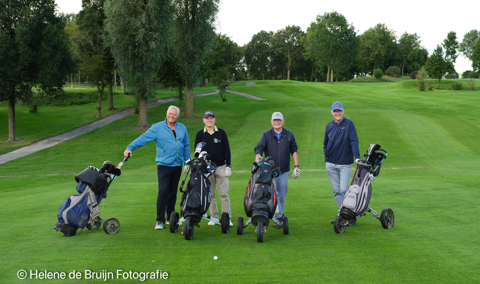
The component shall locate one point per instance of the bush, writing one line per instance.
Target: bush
(429, 85)
(378, 73)
(421, 76)
(393, 71)
(413, 75)
(457, 86)
(472, 85)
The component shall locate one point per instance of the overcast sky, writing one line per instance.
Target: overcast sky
(431, 20)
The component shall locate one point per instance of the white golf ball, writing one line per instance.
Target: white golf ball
(215, 257)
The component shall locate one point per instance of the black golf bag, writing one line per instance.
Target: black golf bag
(358, 195)
(81, 209)
(196, 198)
(260, 197)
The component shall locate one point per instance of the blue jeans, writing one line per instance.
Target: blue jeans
(168, 178)
(339, 176)
(281, 187)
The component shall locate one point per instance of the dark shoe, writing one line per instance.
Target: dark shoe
(333, 222)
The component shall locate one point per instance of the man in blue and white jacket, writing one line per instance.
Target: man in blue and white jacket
(173, 149)
(340, 146)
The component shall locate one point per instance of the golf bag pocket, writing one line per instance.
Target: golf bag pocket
(76, 209)
(197, 195)
(263, 175)
(260, 197)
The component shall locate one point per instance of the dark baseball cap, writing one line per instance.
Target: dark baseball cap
(208, 113)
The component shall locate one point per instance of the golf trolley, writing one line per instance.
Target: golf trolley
(196, 198)
(81, 210)
(357, 197)
(260, 199)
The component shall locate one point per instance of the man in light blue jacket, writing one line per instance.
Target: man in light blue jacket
(173, 149)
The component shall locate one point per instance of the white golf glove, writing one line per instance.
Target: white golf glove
(296, 173)
(228, 171)
(357, 160)
(185, 169)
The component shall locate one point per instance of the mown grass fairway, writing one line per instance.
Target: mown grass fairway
(430, 180)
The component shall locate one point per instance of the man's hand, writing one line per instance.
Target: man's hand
(127, 153)
(228, 171)
(357, 161)
(296, 173)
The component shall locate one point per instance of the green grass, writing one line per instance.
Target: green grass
(430, 180)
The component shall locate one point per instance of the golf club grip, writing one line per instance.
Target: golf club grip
(120, 165)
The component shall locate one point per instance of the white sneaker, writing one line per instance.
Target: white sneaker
(167, 223)
(214, 221)
(181, 221)
(159, 226)
(231, 224)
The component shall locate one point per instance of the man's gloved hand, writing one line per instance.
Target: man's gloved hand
(186, 168)
(296, 173)
(357, 160)
(228, 171)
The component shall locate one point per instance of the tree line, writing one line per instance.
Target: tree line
(174, 43)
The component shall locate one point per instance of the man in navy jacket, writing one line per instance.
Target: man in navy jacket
(279, 143)
(340, 147)
(173, 149)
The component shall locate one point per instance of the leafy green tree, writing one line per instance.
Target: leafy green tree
(287, 41)
(194, 37)
(138, 33)
(97, 62)
(467, 46)
(226, 53)
(410, 49)
(436, 64)
(34, 52)
(476, 58)
(376, 48)
(332, 42)
(258, 54)
(221, 79)
(450, 44)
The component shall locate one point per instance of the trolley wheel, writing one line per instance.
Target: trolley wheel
(95, 226)
(188, 229)
(240, 225)
(339, 225)
(260, 232)
(285, 225)
(111, 226)
(174, 222)
(225, 222)
(387, 218)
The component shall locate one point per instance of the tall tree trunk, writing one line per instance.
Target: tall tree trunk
(189, 101)
(142, 112)
(180, 95)
(206, 82)
(110, 97)
(328, 74)
(99, 102)
(11, 120)
(331, 75)
(288, 74)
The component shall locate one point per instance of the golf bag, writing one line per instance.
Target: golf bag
(196, 198)
(81, 209)
(358, 195)
(260, 194)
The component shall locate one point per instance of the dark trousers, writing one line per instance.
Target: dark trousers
(168, 178)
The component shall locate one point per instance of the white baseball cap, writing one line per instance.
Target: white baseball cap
(277, 115)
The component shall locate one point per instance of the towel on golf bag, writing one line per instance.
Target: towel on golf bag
(260, 194)
(196, 198)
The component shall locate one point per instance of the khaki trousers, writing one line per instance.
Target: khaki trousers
(219, 182)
